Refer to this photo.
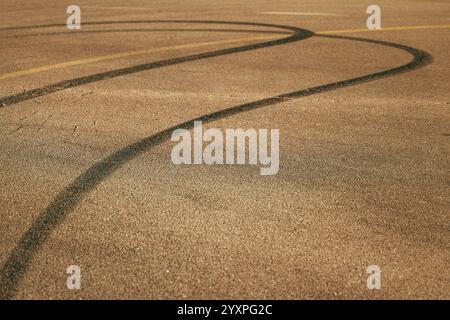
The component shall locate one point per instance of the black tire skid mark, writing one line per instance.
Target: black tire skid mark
(86, 32)
(208, 22)
(19, 259)
(65, 202)
(296, 35)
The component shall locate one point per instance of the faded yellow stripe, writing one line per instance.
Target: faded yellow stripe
(125, 55)
(385, 29)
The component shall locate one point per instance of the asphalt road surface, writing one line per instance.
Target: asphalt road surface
(85, 152)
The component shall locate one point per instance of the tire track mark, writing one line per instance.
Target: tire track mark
(296, 35)
(19, 259)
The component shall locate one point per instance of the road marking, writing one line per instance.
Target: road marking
(125, 55)
(385, 29)
(301, 13)
(118, 8)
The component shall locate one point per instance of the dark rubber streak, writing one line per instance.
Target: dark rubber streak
(299, 34)
(88, 32)
(17, 263)
(209, 22)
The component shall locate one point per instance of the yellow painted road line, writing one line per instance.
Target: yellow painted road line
(118, 8)
(127, 54)
(385, 29)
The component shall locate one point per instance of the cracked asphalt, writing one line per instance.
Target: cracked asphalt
(86, 175)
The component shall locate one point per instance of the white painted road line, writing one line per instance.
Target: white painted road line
(117, 8)
(302, 13)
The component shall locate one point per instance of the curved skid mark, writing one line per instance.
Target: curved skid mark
(84, 32)
(17, 263)
(96, 23)
(299, 34)
(21, 256)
